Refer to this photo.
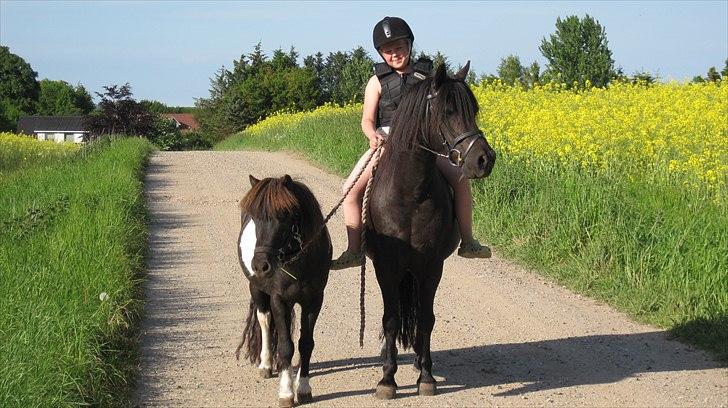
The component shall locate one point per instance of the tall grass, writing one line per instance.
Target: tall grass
(72, 238)
(650, 246)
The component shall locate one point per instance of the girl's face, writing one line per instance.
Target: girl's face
(396, 54)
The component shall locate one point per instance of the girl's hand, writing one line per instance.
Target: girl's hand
(374, 139)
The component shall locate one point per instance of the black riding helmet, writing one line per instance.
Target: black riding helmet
(391, 29)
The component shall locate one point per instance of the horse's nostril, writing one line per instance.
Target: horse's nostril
(265, 267)
(481, 162)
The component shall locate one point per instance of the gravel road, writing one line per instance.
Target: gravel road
(504, 336)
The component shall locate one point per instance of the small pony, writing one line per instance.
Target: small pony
(285, 251)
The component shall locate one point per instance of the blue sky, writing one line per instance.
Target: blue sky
(168, 50)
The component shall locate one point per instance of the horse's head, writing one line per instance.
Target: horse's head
(451, 120)
(275, 213)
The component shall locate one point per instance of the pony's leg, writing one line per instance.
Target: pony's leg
(262, 302)
(309, 314)
(282, 318)
(387, 387)
(426, 383)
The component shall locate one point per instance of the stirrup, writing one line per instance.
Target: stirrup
(347, 259)
(474, 250)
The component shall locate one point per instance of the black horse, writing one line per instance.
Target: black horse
(411, 227)
(285, 252)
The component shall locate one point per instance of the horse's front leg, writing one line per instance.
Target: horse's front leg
(309, 314)
(387, 387)
(282, 318)
(426, 383)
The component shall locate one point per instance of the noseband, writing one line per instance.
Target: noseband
(454, 155)
(281, 254)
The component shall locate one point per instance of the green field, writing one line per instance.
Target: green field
(648, 246)
(72, 240)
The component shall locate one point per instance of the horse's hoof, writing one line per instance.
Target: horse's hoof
(304, 398)
(265, 373)
(285, 402)
(427, 389)
(385, 392)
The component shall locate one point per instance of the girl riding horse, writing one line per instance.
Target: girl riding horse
(393, 40)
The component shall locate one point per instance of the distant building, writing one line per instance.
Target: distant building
(57, 128)
(183, 121)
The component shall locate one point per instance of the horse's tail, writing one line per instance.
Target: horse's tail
(408, 306)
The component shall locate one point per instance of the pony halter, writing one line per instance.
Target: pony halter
(454, 156)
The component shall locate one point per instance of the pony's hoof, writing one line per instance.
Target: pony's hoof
(265, 373)
(385, 392)
(304, 398)
(427, 389)
(285, 402)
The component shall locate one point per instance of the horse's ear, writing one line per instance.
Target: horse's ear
(439, 79)
(460, 76)
(287, 180)
(253, 180)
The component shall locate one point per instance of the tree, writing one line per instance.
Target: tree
(355, 75)
(578, 52)
(510, 70)
(119, 113)
(531, 75)
(724, 72)
(60, 98)
(713, 75)
(19, 89)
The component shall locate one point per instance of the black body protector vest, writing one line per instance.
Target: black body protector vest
(394, 86)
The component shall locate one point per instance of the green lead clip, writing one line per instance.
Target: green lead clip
(288, 273)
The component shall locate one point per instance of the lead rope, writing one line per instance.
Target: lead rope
(333, 210)
(364, 212)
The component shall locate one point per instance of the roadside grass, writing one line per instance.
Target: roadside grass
(648, 246)
(72, 241)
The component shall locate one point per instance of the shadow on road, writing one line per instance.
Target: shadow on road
(541, 365)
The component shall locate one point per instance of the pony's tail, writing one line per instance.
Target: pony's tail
(408, 306)
(251, 337)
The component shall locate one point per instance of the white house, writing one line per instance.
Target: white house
(57, 128)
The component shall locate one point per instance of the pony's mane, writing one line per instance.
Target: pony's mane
(273, 198)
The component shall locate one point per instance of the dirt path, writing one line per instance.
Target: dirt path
(503, 337)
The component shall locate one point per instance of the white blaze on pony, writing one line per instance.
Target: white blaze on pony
(247, 246)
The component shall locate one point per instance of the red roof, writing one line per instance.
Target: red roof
(186, 119)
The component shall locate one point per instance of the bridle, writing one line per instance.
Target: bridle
(454, 155)
(281, 254)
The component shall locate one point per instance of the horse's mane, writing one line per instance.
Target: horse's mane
(407, 123)
(276, 198)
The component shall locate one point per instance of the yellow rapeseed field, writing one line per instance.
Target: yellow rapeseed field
(663, 129)
(18, 150)
(280, 121)
(674, 129)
